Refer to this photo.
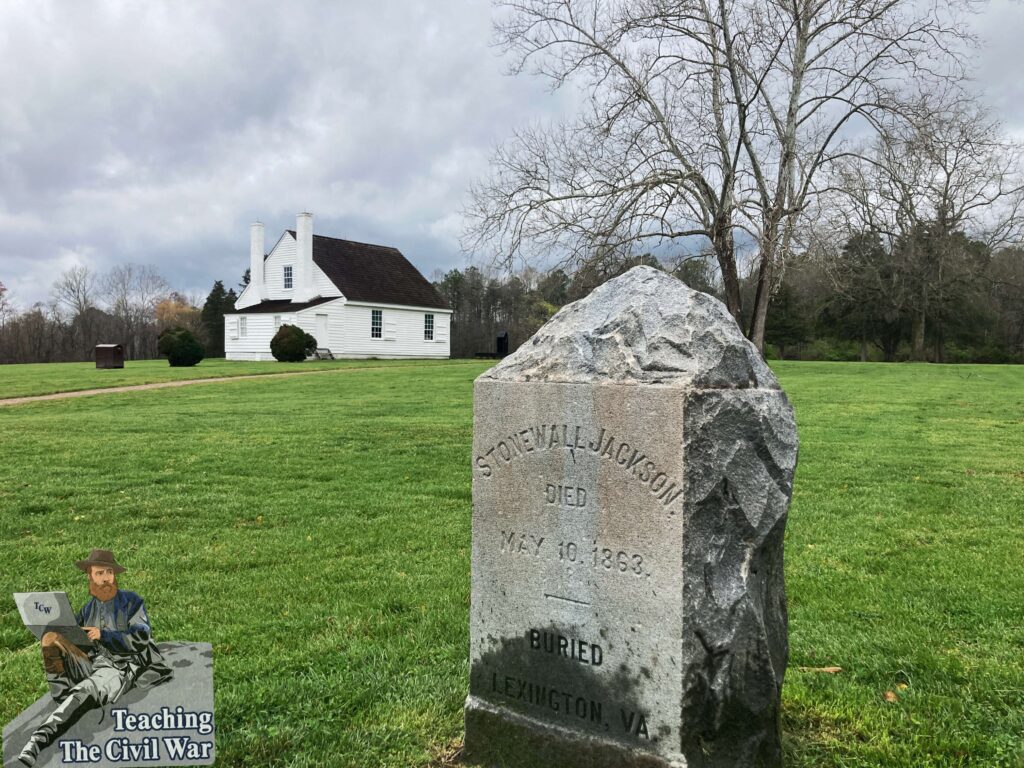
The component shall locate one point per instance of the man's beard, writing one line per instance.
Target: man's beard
(102, 592)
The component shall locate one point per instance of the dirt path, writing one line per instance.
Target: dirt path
(189, 382)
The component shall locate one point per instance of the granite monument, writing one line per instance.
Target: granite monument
(632, 469)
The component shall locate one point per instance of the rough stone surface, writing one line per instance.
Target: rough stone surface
(644, 327)
(633, 465)
(191, 688)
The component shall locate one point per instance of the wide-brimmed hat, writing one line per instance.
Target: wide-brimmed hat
(102, 557)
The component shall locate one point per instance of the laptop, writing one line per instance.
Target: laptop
(45, 612)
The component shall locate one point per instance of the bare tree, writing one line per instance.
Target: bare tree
(705, 120)
(1006, 279)
(132, 292)
(652, 159)
(7, 309)
(75, 290)
(75, 294)
(943, 191)
(39, 338)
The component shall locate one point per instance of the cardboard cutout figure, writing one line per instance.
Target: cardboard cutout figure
(94, 658)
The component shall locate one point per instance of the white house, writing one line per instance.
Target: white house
(356, 299)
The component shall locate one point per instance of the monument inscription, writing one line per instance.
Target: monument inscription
(632, 465)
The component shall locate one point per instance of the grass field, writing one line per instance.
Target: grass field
(47, 378)
(316, 530)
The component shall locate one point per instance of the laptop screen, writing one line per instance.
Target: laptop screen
(50, 609)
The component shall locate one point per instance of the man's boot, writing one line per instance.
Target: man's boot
(53, 659)
(62, 718)
(31, 751)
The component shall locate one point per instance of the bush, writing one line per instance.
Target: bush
(181, 347)
(291, 344)
(992, 353)
(835, 350)
(957, 354)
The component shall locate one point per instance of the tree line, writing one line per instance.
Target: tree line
(858, 299)
(870, 306)
(863, 307)
(129, 305)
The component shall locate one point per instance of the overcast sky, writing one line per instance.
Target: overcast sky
(155, 133)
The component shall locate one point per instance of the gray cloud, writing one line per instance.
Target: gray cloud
(155, 132)
(1000, 62)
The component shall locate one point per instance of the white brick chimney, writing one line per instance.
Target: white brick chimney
(256, 250)
(303, 258)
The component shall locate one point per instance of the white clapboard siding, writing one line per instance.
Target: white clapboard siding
(245, 299)
(255, 345)
(403, 333)
(284, 254)
(261, 329)
(322, 285)
(348, 332)
(273, 268)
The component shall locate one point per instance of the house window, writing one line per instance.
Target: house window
(287, 276)
(376, 323)
(277, 322)
(428, 327)
(242, 322)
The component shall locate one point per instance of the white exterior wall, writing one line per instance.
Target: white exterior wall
(348, 331)
(255, 345)
(260, 329)
(245, 299)
(402, 332)
(285, 252)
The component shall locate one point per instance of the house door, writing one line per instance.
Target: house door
(321, 331)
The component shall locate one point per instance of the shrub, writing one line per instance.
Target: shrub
(957, 354)
(836, 350)
(181, 347)
(291, 344)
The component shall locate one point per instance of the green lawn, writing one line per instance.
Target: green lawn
(47, 378)
(316, 530)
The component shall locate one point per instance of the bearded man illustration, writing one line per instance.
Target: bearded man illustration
(122, 656)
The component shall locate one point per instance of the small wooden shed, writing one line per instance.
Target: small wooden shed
(109, 356)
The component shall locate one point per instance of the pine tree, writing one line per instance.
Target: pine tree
(217, 303)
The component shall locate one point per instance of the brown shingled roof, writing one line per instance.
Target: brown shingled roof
(373, 273)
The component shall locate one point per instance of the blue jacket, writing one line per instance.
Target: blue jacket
(126, 636)
(123, 623)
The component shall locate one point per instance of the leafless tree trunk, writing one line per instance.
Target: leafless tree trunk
(803, 71)
(651, 161)
(703, 118)
(7, 310)
(133, 292)
(945, 189)
(74, 293)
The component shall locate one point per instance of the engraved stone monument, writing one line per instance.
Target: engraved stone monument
(632, 467)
